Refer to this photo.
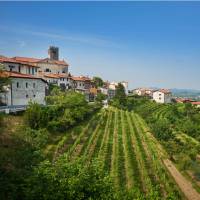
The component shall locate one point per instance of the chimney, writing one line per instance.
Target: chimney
(53, 53)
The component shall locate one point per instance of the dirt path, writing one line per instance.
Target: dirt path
(183, 183)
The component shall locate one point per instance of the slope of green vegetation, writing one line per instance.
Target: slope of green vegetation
(177, 128)
(73, 150)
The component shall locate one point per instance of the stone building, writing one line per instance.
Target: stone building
(23, 89)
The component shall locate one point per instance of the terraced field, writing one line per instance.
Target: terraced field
(129, 152)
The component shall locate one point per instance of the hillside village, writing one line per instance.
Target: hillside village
(31, 79)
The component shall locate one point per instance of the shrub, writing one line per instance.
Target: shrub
(69, 180)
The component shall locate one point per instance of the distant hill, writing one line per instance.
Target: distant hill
(189, 93)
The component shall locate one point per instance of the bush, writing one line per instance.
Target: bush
(33, 115)
(69, 180)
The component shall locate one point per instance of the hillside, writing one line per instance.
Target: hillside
(137, 160)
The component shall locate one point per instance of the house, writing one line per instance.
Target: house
(81, 83)
(112, 89)
(52, 64)
(125, 84)
(12, 65)
(162, 96)
(23, 89)
(62, 80)
(143, 92)
(45, 68)
(104, 90)
(196, 103)
(139, 91)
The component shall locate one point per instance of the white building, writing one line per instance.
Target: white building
(103, 90)
(23, 89)
(125, 84)
(162, 96)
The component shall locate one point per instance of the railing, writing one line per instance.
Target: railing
(12, 109)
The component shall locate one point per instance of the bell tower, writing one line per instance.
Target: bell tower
(53, 53)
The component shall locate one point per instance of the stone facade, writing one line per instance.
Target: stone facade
(23, 90)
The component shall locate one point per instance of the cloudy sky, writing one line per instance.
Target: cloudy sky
(148, 44)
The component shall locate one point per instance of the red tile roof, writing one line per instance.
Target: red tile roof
(165, 91)
(55, 75)
(25, 59)
(17, 75)
(37, 60)
(195, 103)
(12, 60)
(80, 78)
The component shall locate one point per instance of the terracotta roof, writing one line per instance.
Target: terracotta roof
(58, 62)
(165, 91)
(55, 75)
(196, 103)
(12, 60)
(4, 59)
(25, 59)
(17, 75)
(80, 78)
(37, 60)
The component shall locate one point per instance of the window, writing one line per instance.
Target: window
(33, 71)
(47, 70)
(33, 85)
(159, 98)
(27, 96)
(11, 67)
(19, 69)
(26, 85)
(34, 95)
(17, 84)
(36, 70)
(29, 70)
(79, 84)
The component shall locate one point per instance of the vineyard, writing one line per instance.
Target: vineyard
(129, 152)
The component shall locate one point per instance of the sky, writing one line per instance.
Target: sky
(148, 44)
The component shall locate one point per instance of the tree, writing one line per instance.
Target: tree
(120, 96)
(4, 80)
(66, 179)
(97, 81)
(100, 97)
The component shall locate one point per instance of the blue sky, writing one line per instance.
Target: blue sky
(154, 44)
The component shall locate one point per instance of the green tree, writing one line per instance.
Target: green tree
(69, 180)
(4, 80)
(33, 115)
(120, 99)
(100, 97)
(97, 81)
